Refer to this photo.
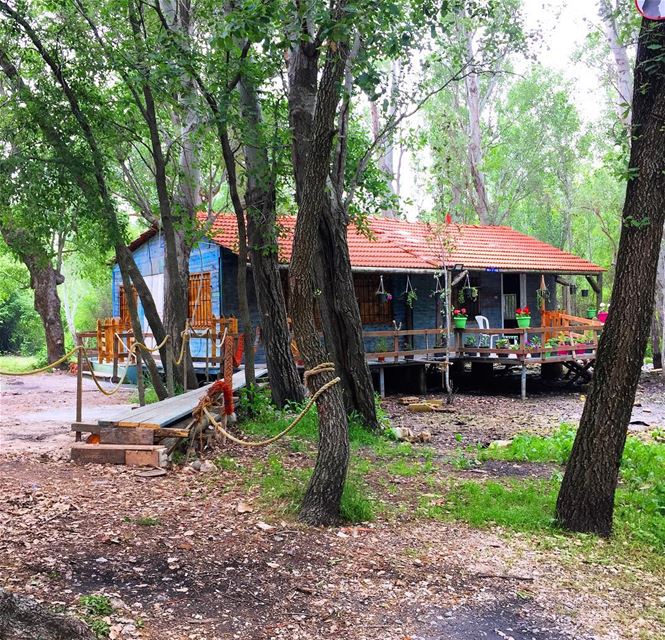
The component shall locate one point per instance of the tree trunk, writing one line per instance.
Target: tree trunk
(621, 62)
(658, 321)
(25, 619)
(44, 281)
(260, 202)
(586, 498)
(340, 316)
(321, 505)
(475, 151)
(187, 197)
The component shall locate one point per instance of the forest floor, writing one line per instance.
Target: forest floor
(219, 554)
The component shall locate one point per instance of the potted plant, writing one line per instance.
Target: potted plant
(523, 316)
(588, 341)
(533, 346)
(384, 296)
(381, 346)
(513, 347)
(470, 341)
(591, 313)
(470, 293)
(502, 343)
(602, 316)
(459, 318)
(552, 344)
(566, 341)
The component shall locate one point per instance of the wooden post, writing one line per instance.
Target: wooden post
(396, 346)
(79, 385)
(169, 369)
(523, 380)
(382, 382)
(114, 375)
(599, 293)
(228, 358)
(140, 382)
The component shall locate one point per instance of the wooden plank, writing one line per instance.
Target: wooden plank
(166, 412)
(117, 435)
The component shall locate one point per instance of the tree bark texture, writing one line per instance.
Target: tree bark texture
(338, 306)
(475, 151)
(321, 504)
(624, 76)
(25, 619)
(658, 321)
(44, 281)
(260, 203)
(586, 498)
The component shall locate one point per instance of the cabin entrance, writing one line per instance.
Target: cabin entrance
(513, 295)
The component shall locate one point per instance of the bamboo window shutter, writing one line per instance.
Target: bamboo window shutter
(200, 299)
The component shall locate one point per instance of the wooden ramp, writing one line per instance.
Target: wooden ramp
(134, 425)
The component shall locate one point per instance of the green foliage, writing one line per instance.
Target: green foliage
(17, 364)
(96, 605)
(529, 505)
(150, 395)
(95, 608)
(527, 447)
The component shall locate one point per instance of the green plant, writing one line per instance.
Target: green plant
(411, 297)
(226, 463)
(96, 605)
(502, 343)
(470, 341)
(356, 506)
(381, 345)
(255, 403)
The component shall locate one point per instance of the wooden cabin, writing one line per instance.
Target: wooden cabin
(504, 268)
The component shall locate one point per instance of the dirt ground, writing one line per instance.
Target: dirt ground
(200, 556)
(36, 412)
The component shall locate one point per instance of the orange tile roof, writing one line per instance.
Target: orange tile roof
(414, 246)
(397, 244)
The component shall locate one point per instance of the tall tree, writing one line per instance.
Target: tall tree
(586, 498)
(321, 505)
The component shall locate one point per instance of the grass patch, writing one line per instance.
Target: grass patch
(18, 364)
(528, 505)
(287, 487)
(150, 395)
(95, 608)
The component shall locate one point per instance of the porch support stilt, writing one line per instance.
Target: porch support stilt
(382, 382)
(523, 380)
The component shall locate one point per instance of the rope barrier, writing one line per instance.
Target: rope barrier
(42, 369)
(324, 367)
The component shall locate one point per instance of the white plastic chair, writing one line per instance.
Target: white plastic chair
(484, 323)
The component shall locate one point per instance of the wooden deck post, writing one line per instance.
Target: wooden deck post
(140, 382)
(382, 382)
(114, 375)
(523, 380)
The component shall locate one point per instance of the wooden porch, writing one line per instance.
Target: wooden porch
(420, 348)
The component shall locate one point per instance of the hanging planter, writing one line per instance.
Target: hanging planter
(470, 293)
(410, 293)
(382, 294)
